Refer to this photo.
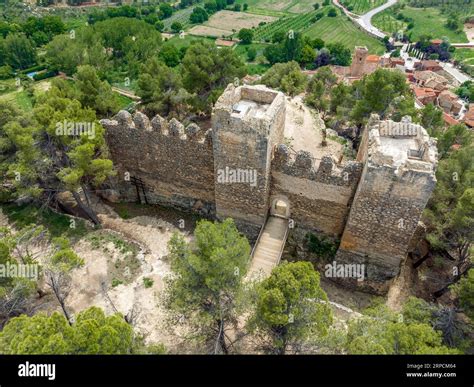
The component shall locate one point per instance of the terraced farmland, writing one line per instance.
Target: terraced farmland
(361, 6)
(339, 29)
(286, 24)
(279, 7)
(388, 23)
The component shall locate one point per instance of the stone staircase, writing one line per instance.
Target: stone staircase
(269, 247)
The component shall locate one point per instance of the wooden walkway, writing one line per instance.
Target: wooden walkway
(269, 248)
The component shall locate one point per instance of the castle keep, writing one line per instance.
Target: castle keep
(241, 168)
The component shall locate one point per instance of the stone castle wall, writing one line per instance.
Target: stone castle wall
(373, 204)
(319, 198)
(390, 198)
(174, 161)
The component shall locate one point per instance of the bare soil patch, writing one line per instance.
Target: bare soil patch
(303, 131)
(209, 31)
(469, 30)
(228, 22)
(120, 260)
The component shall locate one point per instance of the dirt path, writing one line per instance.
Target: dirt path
(152, 236)
(400, 289)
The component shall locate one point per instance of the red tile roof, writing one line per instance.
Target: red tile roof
(423, 92)
(449, 120)
(372, 58)
(226, 43)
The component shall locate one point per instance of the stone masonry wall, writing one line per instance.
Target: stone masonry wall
(175, 162)
(245, 142)
(388, 203)
(319, 198)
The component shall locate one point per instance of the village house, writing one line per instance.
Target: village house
(431, 65)
(449, 120)
(429, 79)
(449, 102)
(469, 116)
(424, 95)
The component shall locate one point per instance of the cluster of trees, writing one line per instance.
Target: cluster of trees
(383, 92)
(151, 14)
(208, 295)
(91, 333)
(40, 29)
(18, 41)
(416, 330)
(193, 85)
(201, 14)
(466, 90)
(309, 53)
(441, 52)
(288, 312)
(16, 52)
(23, 332)
(113, 47)
(450, 211)
(39, 161)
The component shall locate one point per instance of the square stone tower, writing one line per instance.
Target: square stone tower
(247, 121)
(358, 61)
(397, 180)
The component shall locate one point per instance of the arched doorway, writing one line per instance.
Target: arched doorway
(280, 207)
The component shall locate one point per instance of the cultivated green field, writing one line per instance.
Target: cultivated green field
(361, 6)
(339, 29)
(388, 23)
(10, 93)
(464, 55)
(279, 7)
(285, 24)
(427, 21)
(255, 67)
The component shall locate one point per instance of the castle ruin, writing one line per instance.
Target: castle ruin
(241, 168)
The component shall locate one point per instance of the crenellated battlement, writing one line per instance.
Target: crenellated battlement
(402, 146)
(326, 170)
(373, 204)
(399, 176)
(125, 122)
(174, 160)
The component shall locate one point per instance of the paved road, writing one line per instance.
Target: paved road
(458, 75)
(366, 19)
(463, 45)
